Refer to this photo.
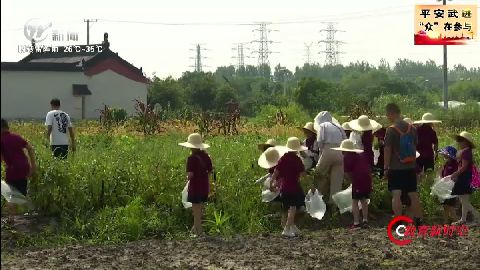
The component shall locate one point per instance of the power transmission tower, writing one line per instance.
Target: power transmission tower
(198, 66)
(308, 53)
(240, 55)
(263, 42)
(331, 45)
(88, 21)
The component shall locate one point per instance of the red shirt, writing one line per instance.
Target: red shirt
(449, 167)
(367, 141)
(427, 137)
(12, 146)
(200, 165)
(289, 168)
(359, 169)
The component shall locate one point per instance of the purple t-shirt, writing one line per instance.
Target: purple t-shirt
(367, 142)
(427, 138)
(289, 168)
(200, 165)
(449, 167)
(12, 146)
(356, 165)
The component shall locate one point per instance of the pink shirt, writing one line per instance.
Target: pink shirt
(12, 146)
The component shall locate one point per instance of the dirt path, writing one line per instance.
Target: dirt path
(333, 249)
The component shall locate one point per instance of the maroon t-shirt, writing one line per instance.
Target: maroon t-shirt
(357, 166)
(427, 137)
(12, 146)
(367, 142)
(449, 167)
(200, 165)
(289, 168)
(466, 156)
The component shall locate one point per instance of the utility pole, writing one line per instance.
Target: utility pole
(198, 66)
(308, 55)
(263, 42)
(88, 28)
(445, 73)
(331, 45)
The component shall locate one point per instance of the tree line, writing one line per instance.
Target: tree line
(313, 87)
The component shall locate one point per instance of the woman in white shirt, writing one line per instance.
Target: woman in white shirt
(330, 164)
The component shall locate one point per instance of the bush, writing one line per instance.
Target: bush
(461, 117)
(295, 115)
(119, 115)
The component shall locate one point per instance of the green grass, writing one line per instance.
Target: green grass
(142, 179)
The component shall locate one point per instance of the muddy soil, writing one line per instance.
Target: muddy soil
(324, 249)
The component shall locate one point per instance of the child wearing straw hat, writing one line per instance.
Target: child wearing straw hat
(451, 166)
(427, 142)
(347, 129)
(199, 167)
(463, 176)
(365, 126)
(269, 143)
(311, 143)
(286, 178)
(357, 169)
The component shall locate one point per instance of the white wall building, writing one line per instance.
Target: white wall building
(83, 81)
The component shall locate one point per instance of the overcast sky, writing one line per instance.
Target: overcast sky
(374, 29)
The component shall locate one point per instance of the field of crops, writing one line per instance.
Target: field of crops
(121, 186)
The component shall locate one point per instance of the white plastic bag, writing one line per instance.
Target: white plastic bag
(443, 189)
(12, 195)
(315, 205)
(343, 200)
(262, 179)
(185, 202)
(267, 195)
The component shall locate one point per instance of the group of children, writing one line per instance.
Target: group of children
(286, 165)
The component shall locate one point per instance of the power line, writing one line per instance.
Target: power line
(331, 45)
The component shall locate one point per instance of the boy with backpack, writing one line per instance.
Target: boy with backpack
(399, 162)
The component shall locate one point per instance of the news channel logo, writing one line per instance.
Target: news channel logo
(41, 30)
(37, 29)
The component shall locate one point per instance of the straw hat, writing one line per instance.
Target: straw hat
(427, 118)
(467, 136)
(408, 120)
(294, 145)
(269, 142)
(348, 146)
(270, 157)
(346, 126)
(309, 127)
(363, 123)
(194, 141)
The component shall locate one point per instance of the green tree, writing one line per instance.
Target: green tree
(168, 92)
(200, 89)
